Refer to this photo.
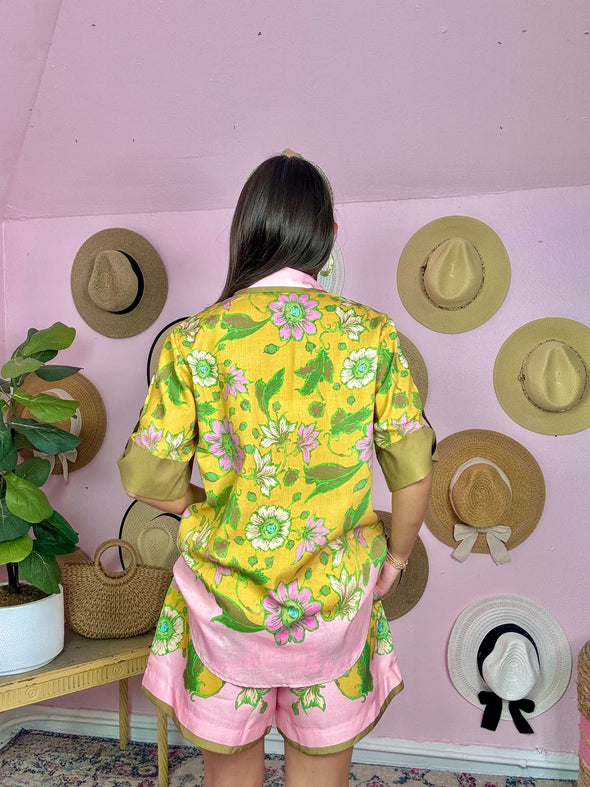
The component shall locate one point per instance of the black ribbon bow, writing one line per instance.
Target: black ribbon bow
(493, 712)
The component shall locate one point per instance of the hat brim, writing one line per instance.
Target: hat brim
(410, 274)
(408, 589)
(157, 347)
(155, 280)
(334, 280)
(92, 411)
(153, 534)
(481, 617)
(522, 469)
(507, 369)
(417, 366)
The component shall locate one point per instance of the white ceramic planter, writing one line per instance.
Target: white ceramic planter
(31, 635)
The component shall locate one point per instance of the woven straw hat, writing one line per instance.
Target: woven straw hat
(119, 283)
(488, 494)
(158, 346)
(453, 274)
(551, 644)
(407, 590)
(331, 276)
(542, 376)
(416, 364)
(89, 423)
(153, 534)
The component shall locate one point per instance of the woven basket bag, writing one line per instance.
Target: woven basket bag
(102, 604)
(584, 708)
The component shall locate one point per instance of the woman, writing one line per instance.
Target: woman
(279, 391)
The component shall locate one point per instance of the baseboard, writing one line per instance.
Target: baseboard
(371, 750)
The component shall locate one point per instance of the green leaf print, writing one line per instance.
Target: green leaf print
(233, 617)
(174, 387)
(400, 400)
(417, 401)
(318, 369)
(197, 679)
(238, 326)
(343, 422)
(265, 391)
(385, 369)
(328, 476)
(206, 409)
(353, 515)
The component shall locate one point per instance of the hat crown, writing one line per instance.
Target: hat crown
(454, 274)
(512, 669)
(480, 493)
(113, 284)
(554, 376)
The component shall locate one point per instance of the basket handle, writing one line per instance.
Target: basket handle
(115, 577)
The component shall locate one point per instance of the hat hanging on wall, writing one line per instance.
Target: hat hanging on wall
(158, 346)
(331, 276)
(542, 376)
(89, 422)
(407, 590)
(509, 655)
(416, 365)
(488, 494)
(119, 283)
(152, 532)
(453, 274)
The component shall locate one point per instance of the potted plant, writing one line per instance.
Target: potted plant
(32, 533)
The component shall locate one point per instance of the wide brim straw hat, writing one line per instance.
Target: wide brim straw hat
(91, 408)
(513, 459)
(417, 365)
(119, 283)
(409, 587)
(542, 376)
(331, 276)
(453, 274)
(482, 616)
(153, 534)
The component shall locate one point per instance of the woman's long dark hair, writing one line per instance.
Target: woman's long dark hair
(284, 217)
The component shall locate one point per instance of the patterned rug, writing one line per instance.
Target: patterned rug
(49, 759)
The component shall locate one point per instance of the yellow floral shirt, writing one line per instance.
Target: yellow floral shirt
(280, 394)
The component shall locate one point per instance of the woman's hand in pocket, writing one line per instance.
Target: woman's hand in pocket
(387, 577)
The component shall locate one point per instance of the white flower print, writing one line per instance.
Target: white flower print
(404, 425)
(381, 435)
(268, 527)
(174, 442)
(359, 368)
(277, 432)
(169, 632)
(349, 592)
(384, 640)
(350, 323)
(195, 541)
(339, 547)
(264, 475)
(203, 367)
(190, 328)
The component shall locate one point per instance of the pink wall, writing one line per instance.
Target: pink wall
(547, 236)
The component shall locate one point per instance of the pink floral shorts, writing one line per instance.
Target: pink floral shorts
(321, 719)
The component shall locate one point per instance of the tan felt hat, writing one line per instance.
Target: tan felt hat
(542, 376)
(416, 365)
(153, 534)
(407, 590)
(119, 283)
(453, 274)
(89, 423)
(488, 494)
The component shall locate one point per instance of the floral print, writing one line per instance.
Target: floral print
(295, 315)
(225, 445)
(307, 441)
(292, 612)
(236, 382)
(149, 438)
(203, 368)
(169, 632)
(350, 323)
(365, 445)
(349, 592)
(359, 368)
(313, 535)
(268, 527)
(265, 474)
(276, 432)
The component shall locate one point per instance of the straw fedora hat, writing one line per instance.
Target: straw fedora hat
(453, 274)
(542, 376)
(89, 422)
(153, 534)
(416, 365)
(408, 588)
(513, 648)
(488, 494)
(119, 283)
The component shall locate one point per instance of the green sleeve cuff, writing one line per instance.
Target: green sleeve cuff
(408, 460)
(146, 475)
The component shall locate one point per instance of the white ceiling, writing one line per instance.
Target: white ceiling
(166, 105)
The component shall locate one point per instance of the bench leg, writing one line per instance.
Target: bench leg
(162, 749)
(123, 714)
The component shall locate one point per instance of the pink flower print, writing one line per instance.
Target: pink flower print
(405, 426)
(292, 612)
(359, 536)
(313, 536)
(149, 438)
(365, 445)
(306, 441)
(225, 445)
(294, 315)
(236, 382)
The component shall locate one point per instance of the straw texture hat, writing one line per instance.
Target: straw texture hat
(119, 283)
(542, 376)
(89, 422)
(550, 643)
(153, 534)
(488, 494)
(407, 590)
(331, 276)
(453, 274)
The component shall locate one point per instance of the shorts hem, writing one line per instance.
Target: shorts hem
(202, 743)
(338, 747)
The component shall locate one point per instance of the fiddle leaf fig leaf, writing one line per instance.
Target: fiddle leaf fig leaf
(16, 550)
(46, 438)
(11, 526)
(47, 407)
(51, 373)
(8, 453)
(26, 500)
(40, 570)
(57, 529)
(36, 470)
(57, 337)
(19, 366)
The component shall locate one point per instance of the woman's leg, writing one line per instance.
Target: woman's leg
(246, 768)
(327, 770)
